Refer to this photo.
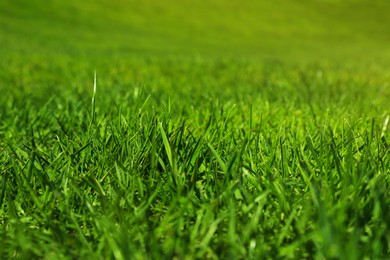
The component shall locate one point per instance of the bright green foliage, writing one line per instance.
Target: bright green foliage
(232, 129)
(278, 162)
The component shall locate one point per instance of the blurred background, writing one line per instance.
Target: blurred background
(307, 30)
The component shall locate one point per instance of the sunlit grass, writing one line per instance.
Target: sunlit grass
(232, 130)
(293, 167)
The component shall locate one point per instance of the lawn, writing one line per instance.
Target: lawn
(192, 130)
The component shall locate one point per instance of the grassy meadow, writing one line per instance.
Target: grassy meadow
(194, 129)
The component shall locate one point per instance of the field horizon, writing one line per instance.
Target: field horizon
(284, 30)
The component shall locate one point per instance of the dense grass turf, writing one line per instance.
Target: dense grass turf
(202, 160)
(183, 151)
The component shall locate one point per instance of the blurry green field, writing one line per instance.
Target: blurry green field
(232, 130)
(277, 30)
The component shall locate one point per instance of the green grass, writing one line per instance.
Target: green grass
(215, 145)
(352, 30)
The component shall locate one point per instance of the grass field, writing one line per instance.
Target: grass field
(194, 130)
